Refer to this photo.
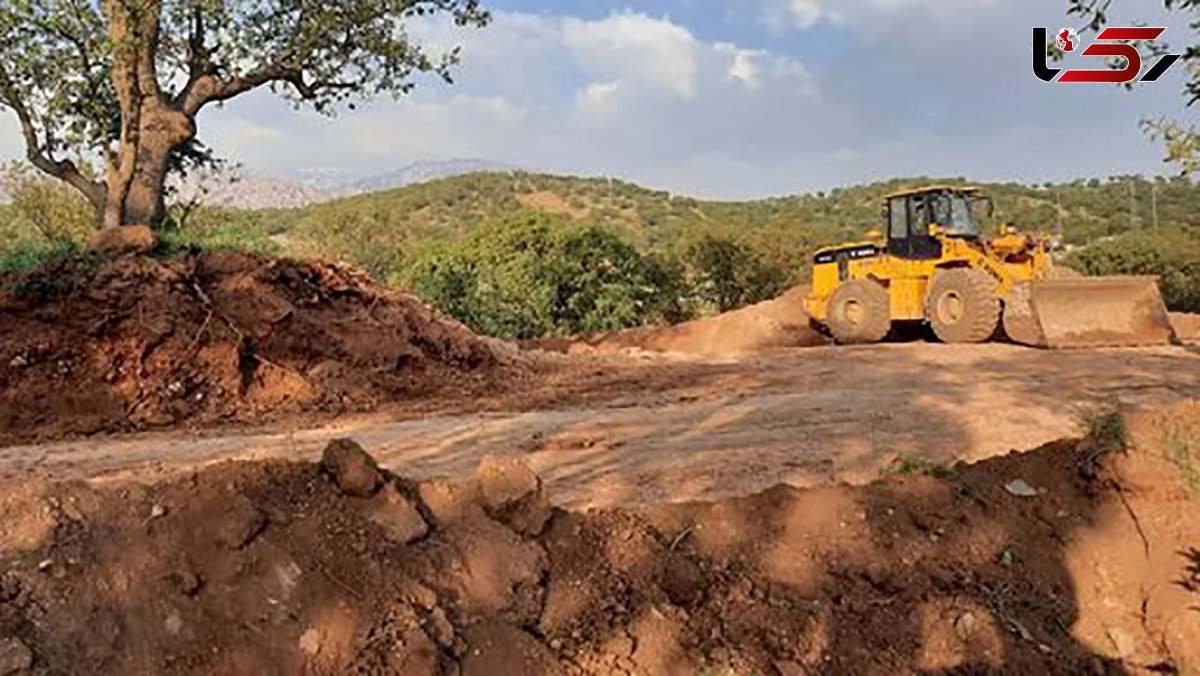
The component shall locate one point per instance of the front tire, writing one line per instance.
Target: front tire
(859, 313)
(963, 306)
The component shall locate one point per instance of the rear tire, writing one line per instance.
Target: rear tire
(859, 312)
(963, 306)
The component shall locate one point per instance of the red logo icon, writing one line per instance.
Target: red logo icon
(1067, 39)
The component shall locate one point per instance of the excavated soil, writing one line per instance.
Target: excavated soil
(1078, 557)
(1187, 326)
(140, 343)
(778, 323)
(771, 325)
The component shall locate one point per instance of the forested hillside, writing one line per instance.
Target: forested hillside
(523, 254)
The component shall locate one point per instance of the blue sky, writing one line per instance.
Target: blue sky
(731, 98)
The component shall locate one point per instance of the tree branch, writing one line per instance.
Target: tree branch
(209, 88)
(64, 170)
(197, 53)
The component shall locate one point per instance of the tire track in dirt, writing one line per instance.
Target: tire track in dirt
(805, 417)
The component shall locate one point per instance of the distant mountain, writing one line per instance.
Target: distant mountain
(252, 191)
(420, 172)
(232, 188)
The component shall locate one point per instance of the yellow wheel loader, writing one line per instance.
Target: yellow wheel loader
(934, 265)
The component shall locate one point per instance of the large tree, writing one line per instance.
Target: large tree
(122, 81)
(1182, 139)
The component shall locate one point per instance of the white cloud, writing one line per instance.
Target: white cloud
(871, 14)
(806, 12)
(743, 67)
(496, 107)
(635, 46)
(10, 135)
(647, 99)
(597, 98)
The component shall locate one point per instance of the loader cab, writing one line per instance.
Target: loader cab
(911, 217)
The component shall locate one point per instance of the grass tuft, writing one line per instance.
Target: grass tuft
(29, 257)
(910, 463)
(1179, 452)
(1105, 428)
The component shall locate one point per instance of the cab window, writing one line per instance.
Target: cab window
(898, 222)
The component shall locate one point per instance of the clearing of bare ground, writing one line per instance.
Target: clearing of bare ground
(137, 343)
(1082, 556)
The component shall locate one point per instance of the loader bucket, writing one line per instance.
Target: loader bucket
(1088, 312)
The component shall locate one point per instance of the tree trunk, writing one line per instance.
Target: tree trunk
(150, 127)
(162, 131)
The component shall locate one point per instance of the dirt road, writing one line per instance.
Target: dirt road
(669, 429)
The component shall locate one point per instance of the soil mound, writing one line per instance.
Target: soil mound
(781, 322)
(1187, 326)
(137, 343)
(1073, 558)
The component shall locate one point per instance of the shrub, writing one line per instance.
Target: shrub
(46, 220)
(32, 255)
(1174, 256)
(725, 274)
(45, 206)
(534, 274)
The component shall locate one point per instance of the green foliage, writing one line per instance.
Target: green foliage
(42, 210)
(725, 274)
(534, 274)
(46, 221)
(66, 65)
(220, 228)
(30, 256)
(58, 55)
(1174, 256)
(910, 463)
(1105, 428)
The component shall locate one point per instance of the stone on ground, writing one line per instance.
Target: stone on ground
(351, 467)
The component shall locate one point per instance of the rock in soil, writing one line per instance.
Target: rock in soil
(352, 469)
(682, 580)
(512, 494)
(396, 515)
(499, 649)
(965, 626)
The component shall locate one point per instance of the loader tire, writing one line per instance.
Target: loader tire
(859, 312)
(963, 306)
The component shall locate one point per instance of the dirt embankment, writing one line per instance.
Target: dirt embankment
(1073, 558)
(1187, 326)
(778, 323)
(140, 343)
